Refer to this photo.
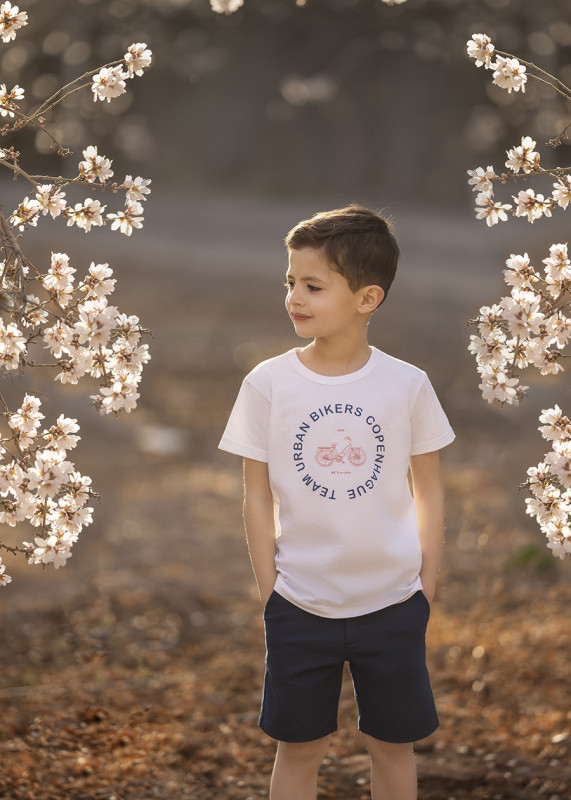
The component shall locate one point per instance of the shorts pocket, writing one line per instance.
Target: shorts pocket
(425, 601)
(271, 598)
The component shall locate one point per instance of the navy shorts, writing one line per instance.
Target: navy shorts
(305, 657)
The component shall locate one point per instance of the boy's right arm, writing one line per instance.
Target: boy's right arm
(260, 525)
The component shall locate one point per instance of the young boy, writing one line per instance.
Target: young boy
(345, 560)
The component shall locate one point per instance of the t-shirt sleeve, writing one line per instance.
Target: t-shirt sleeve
(246, 433)
(430, 427)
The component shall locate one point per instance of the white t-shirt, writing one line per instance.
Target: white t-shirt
(338, 451)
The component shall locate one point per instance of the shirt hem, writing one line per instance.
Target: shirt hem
(344, 611)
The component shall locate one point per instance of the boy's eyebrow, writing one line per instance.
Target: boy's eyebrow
(308, 279)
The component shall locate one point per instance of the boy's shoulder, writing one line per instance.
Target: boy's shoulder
(271, 365)
(398, 366)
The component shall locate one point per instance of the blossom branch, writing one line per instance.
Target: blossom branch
(85, 335)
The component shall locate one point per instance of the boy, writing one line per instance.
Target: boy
(345, 561)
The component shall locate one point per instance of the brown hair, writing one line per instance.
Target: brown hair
(357, 242)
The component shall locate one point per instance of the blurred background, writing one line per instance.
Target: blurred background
(246, 124)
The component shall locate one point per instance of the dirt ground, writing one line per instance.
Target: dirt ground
(136, 671)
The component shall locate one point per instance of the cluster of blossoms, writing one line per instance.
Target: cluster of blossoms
(109, 82)
(40, 484)
(72, 320)
(527, 203)
(83, 332)
(11, 20)
(526, 328)
(510, 74)
(51, 199)
(550, 483)
(94, 169)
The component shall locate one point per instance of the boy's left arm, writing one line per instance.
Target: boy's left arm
(429, 502)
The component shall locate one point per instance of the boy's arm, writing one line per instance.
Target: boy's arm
(260, 525)
(429, 503)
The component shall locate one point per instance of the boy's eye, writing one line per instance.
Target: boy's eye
(313, 288)
(288, 284)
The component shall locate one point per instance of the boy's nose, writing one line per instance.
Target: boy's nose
(294, 297)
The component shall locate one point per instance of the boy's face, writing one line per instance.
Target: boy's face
(319, 300)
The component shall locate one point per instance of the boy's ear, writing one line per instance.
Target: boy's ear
(371, 298)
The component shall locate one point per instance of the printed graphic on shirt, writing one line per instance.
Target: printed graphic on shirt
(338, 451)
(325, 456)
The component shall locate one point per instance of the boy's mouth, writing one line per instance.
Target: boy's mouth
(299, 317)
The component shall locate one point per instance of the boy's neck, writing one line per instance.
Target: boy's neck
(333, 358)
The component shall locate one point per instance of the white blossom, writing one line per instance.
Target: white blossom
(78, 486)
(480, 47)
(490, 211)
(69, 519)
(126, 220)
(538, 478)
(108, 83)
(556, 425)
(523, 157)
(59, 279)
(8, 99)
(128, 360)
(128, 328)
(137, 189)
(497, 385)
(75, 367)
(519, 273)
(4, 578)
(559, 461)
(544, 359)
(50, 201)
(509, 74)
(482, 179)
(96, 321)
(558, 327)
(532, 205)
(562, 191)
(95, 167)
(26, 420)
(62, 435)
(558, 265)
(11, 20)
(490, 350)
(548, 506)
(137, 58)
(49, 472)
(522, 312)
(558, 538)
(11, 475)
(12, 345)
(54, 550)
(98, 282)
(121, 395)
(86, 214)
(58, 338)
(26, 214)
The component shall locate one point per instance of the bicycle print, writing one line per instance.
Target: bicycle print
(326, 456)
